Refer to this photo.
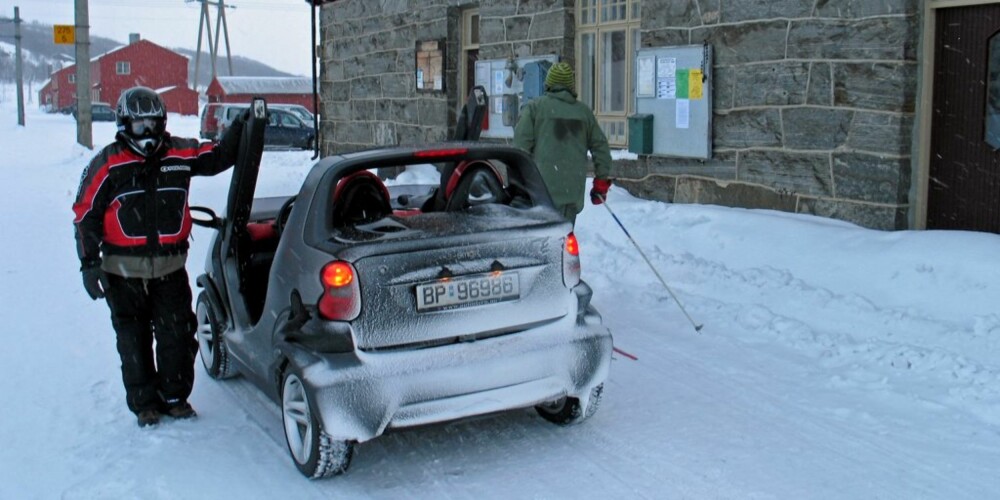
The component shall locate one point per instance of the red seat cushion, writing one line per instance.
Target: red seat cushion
(262, 230)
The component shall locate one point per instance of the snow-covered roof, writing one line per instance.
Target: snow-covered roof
(165, 89)
(265, 84)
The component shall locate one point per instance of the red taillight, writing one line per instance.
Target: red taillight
(341, 299)
(437, 153)
(572, 246)
(338, 274)
(571, 261)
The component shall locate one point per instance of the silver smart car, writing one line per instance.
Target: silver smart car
(359, 308)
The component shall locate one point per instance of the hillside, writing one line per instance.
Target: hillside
(42, 56)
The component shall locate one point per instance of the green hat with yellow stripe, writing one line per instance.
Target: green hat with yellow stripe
(560, 75)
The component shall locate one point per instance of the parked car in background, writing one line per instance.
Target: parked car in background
(298, 110)
(289, 125)
(360, 309)
(285, 129)
(99, 112)
(212, 117)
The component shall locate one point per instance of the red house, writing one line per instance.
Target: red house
(283, 90)
(141, 62)
(60, 91)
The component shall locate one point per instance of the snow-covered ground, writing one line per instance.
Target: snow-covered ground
(835, 362)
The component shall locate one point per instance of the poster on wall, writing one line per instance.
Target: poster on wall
(645, 76)
(666, 78)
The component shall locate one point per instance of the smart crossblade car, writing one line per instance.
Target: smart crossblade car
(359, 308)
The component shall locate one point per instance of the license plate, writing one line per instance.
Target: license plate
(467, 290)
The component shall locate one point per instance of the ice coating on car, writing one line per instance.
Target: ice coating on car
(464, 302)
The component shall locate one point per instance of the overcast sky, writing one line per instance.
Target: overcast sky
(275, 32)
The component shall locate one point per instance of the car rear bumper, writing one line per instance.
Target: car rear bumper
(361, 394)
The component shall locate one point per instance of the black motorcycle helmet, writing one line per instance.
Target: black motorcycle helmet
(142, 120)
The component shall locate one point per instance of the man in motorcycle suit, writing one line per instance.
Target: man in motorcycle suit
(132, 225)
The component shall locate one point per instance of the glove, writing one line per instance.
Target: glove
(600, 191)
(94, 279)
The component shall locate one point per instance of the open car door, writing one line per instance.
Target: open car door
(235, 237)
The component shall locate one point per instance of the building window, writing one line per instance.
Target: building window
(607, 38)
(470, 52)
(72, 77)
(123, 68)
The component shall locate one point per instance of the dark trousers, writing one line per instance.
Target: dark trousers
(144, 309)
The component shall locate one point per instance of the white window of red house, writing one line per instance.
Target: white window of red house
(123, 68)
(72, 77)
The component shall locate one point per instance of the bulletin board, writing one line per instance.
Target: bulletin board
(503, 80)
(674, 84)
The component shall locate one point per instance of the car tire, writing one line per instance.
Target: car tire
(211, 345)
(568, 410)
(315, 453)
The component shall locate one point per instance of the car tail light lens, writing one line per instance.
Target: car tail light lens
(571, 261)
(341, 299)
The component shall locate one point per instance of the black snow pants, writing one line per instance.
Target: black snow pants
(144, 309)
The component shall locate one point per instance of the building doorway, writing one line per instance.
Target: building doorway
(963, 179)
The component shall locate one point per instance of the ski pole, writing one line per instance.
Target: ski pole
(697, 327)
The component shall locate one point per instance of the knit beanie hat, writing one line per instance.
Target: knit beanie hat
(561, 75)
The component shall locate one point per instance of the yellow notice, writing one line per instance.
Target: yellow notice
(64, 34)
(695, 85)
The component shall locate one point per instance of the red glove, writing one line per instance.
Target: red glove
(600, 191)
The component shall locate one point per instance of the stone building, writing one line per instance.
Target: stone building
(821, 107)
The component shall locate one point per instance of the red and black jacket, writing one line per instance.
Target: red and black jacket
(131, 205)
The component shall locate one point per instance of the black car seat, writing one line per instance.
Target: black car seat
(360, 198)
(473, 183)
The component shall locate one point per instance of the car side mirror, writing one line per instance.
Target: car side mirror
(205, 217)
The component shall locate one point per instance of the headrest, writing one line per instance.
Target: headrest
(360, 198)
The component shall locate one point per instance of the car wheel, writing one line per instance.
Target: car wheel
(315, 453)
(568, 410)
(214, 353)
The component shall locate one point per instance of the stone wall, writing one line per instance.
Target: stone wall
(368, 94)
(367, 82)
(813, 107)
(813, 99)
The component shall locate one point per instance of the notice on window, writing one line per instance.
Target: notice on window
(683, 113)
(429, 65)
(498, 82)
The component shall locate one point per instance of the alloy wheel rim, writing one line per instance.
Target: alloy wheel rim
(298, 421)
(206, 342)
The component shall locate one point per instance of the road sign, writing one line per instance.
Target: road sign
(64, 34)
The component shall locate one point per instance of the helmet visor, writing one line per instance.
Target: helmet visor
(146, 127)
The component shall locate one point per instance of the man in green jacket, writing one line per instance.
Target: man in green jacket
(558, 131)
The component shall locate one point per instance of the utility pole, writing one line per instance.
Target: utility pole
(205, 24)
(84, 133)
(18, 72)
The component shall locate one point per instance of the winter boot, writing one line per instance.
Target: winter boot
(179, 410)
(148, 418)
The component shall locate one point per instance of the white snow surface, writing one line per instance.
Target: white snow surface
(835, 362)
